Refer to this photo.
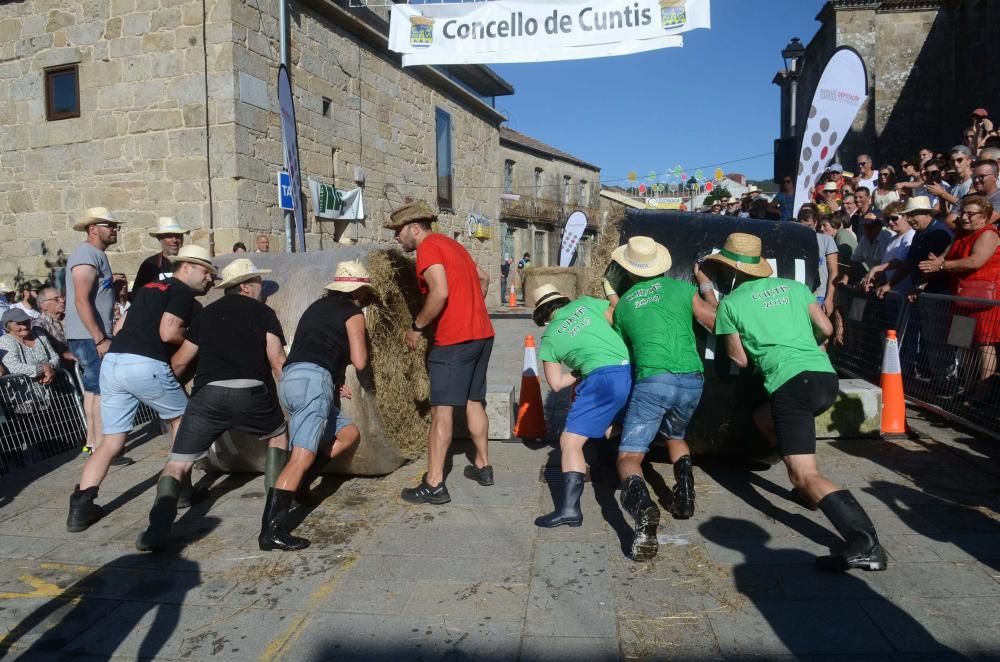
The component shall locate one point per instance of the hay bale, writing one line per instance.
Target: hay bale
(568, 280)
(402, 385)
(608, 239)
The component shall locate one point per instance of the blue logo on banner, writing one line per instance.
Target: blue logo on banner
(284, 190)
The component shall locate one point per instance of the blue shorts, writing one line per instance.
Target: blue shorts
(600, 398)
(127, 380)
(307, 392)
(663, 404)
(90, 363)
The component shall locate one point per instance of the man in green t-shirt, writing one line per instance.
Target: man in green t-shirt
(776, 323)
(579, 335)
(655, 316)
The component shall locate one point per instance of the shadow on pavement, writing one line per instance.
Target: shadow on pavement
(813, 611)
(96, 614)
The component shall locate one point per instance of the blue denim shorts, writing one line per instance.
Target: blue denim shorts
(90, 363)
(127, 380)
(663, 404)
(307, 392)
(600, 398)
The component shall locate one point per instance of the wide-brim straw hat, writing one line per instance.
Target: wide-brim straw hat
(918, 204)
(167, 225)
(95, 215)
(544, 296)
(742, 252)
(410, 213)
(195, 255)
(643, 257)
(6, 288)
(351, 276)
(830, 186)
(239, 271)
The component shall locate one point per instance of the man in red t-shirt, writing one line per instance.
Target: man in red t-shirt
(455, 288)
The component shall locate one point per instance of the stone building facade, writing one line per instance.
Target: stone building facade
(178, 117)
(548, 185)
(929, 63)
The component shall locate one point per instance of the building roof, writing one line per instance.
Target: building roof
(880, 5)
(519, 140)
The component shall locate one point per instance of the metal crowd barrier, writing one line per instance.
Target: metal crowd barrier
(38, 420)
(948, 351)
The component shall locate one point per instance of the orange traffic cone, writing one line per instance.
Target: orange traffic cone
(893, 402)
(530, 412)
(512, 298)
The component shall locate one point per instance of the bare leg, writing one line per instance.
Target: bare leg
(92, 412)
(629, 464)
(804, 474)
(298, 463)
(677, 448)
(347, 440)
(571, 445)
(479, 430)
(439, 443)
(96, 466)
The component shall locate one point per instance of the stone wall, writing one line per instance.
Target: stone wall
(142, 148)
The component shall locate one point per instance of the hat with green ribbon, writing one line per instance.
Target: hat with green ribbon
(742, 252)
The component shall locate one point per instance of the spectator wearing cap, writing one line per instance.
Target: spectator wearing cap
(29, 298)
(158, 267)
(579, 335)
(330, 335)
(241, 348)
(985, 183)
(90, 307)
(52, 306)
(655, 317)
(25, 352)
(774, 323)
(137, 370)
(455, 311)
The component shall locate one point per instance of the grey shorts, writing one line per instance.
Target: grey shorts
(458, 372)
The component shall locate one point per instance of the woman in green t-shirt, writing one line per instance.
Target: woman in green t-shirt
(579, 335)
(776, 323)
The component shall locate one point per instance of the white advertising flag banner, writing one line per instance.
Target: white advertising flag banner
(842, 90)
(524, 31)
(575, 226)
(336, 205)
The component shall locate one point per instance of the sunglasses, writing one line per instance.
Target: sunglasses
(107, 225)
(893, 219)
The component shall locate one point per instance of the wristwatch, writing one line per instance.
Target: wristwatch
(418, 329)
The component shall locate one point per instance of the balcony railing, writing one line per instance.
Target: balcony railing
(530, 208)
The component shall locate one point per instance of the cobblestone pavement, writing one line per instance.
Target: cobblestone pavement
(476, 580)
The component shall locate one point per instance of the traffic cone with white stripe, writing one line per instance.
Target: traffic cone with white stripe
(893, 401)
(530, 411)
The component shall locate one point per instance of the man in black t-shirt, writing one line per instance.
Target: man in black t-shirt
(137, 370)
(240, 346)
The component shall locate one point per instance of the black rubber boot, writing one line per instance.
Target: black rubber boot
(636, 501)
(273, 534)
(862, 549)
(277, 458)
(569, 512)
(682, 505)
(82, 510)
(161, 516)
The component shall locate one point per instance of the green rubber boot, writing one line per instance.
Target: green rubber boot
(277, 458)
(161, 516)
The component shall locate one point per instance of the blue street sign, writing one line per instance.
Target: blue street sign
(284, 191)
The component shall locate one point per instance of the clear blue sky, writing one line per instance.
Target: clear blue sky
(709, 102)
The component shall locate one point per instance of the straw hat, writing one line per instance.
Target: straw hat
(742, 252)
(195, 255)
(543, 295)
(409, 213)
(918, 204)
(239, 271)
(830, 186)
(167, 225)
(6, 288)
(643, 257)
(95, 215)
(350, 277)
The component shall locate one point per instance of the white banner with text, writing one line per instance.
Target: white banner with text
(333, 204)
(525, 31)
